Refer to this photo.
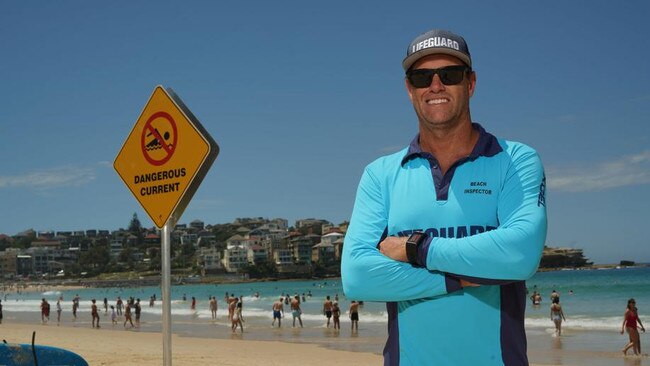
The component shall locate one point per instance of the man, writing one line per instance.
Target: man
(536, 298)
(213, 307)
(119, 304)
(354, 316)
(327, 309)
(278, 312)
(447, 229)
(94, 313)
(75, 305)
(138, 310)
(554, 295)
(296, 312)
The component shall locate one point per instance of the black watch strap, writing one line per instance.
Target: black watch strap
(412, 245)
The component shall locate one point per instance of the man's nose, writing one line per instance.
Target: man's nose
(436, 84)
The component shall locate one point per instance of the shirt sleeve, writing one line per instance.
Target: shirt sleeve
(512, 251)
(369, 275)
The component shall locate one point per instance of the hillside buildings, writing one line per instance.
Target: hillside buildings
(266, 247)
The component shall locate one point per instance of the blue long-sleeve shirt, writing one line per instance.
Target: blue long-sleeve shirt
(485, 221)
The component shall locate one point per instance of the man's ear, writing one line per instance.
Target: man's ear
(407, 85)
(472, 83)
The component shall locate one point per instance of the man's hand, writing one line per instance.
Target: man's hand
(464, 284)
(394, 247)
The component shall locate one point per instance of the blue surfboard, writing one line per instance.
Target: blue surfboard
(14, 354)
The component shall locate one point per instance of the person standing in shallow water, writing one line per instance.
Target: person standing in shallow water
(138, 310)
(213, 307)
(45, 311)
(278, 312)
(75, 305)
(113, 315)
(58, 310)
(554, 294)
(296, 312)
(354, 316)
(327, 309)
(630, 320)
(557, 315)
(536, 298)
(237, 319)
(119, 305)
(232, 302)
(94, 313)
(127, 314)
(336, 314)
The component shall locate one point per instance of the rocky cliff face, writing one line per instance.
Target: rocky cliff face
(563, 257)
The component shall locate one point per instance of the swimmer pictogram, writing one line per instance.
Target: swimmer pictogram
(159, 138)
(155, 144)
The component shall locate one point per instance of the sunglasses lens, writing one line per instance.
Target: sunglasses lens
(420, 78)
(451, 76)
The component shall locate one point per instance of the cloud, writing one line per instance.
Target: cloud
(625, 171)
(67, 176)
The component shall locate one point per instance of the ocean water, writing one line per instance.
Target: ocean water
(599, 296)
(598, 300)
(594, 312)
(254, 307)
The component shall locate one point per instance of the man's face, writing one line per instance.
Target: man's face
(441, 106)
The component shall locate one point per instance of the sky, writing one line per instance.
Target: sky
(300, 96)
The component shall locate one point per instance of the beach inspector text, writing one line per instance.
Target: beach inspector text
(161, 180)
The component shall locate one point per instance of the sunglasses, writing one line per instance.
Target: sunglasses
(450, 75)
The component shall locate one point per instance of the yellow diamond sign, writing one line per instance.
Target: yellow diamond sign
(165, 157)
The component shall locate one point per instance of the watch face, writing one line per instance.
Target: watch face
(415, 237)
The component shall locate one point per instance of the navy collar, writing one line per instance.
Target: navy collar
(487, 145)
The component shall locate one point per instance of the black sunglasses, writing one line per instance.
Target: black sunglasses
(450, 75)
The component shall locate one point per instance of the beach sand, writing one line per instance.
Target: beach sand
(120, 347)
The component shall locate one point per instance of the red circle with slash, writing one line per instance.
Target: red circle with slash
(149, 129)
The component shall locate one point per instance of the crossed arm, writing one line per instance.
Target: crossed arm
(509, 253)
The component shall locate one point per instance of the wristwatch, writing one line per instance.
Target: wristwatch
(412, 245)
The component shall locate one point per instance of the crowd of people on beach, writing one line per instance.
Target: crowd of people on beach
(124, 311)
(331, 311)
(120, 309)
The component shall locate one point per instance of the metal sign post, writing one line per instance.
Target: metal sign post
(163, 161)
(166, 295)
